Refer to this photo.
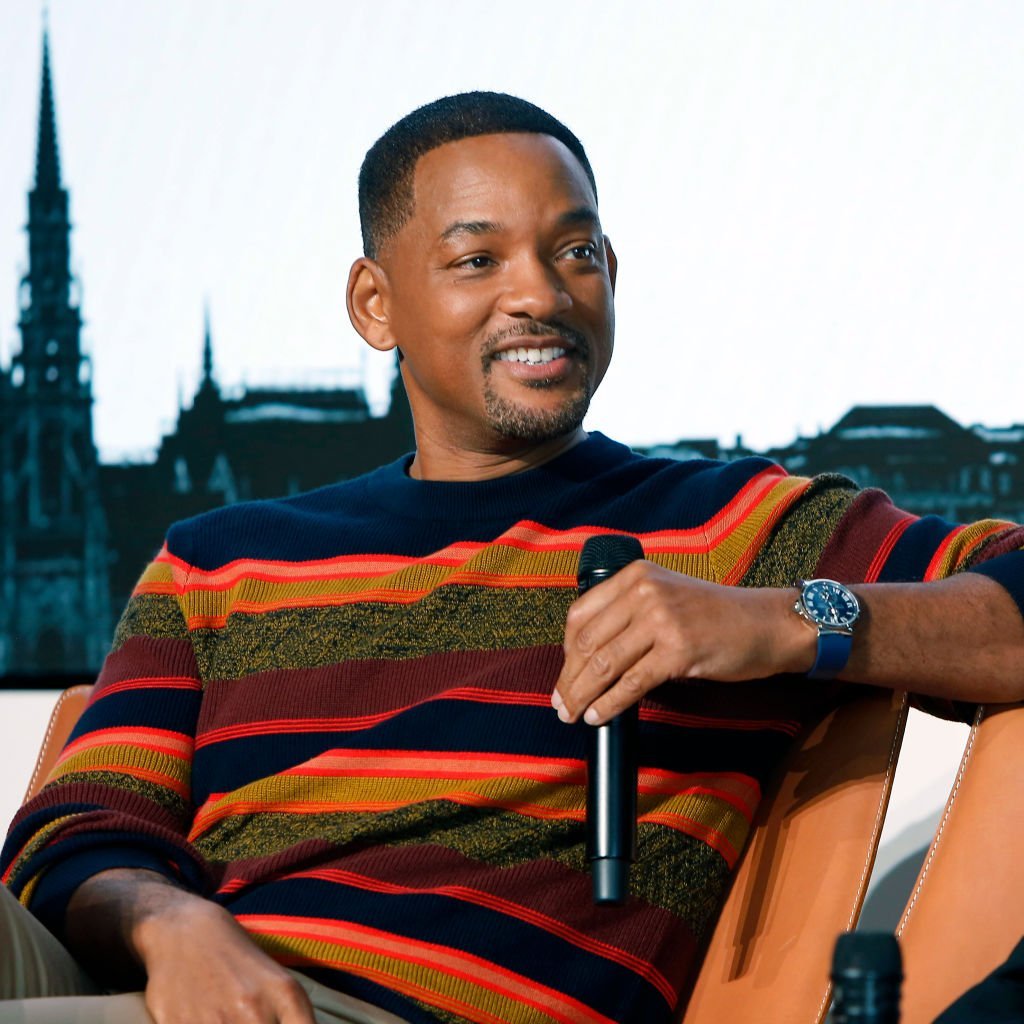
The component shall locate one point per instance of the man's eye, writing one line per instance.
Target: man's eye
(584, 251)
(476, 262)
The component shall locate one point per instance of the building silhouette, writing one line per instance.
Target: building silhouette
(76, 533)
(54, 554)
(927, 462)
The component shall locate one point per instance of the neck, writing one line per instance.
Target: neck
(434, 462)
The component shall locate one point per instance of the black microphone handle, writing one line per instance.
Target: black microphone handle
(611, 804)
(611, 751)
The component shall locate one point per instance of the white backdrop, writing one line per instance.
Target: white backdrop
(814, 203)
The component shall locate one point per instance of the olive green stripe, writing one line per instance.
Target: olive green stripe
(794, 548)
(453, 618)
(158, 794)
(155, 615)
(673, 871)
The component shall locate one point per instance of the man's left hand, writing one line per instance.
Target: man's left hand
(646, 625)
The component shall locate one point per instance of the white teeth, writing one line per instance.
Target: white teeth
(533, 356)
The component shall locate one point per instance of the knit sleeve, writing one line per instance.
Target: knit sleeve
(119, 795)
(856, 536)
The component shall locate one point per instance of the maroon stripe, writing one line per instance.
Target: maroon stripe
(376, 686)
(543, 886)
(860, 533)
(1011, 540)
(140, 657)
(131, 810)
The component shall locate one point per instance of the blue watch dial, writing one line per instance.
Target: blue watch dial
(830, 605)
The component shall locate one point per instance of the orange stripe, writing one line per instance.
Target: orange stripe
(160, 741)
(526, 535)
(662, 715)
(691, 827)
(482, 898)
(147, 775)
(935, 565)
(475, 695)
(208, 815)
(744, 562)
(149, 682)
(447, 766)
(444, 960)
(885, 549)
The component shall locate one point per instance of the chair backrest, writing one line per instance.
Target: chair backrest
(802, 878)
(66, 712)
(804, 874)
(966, 910)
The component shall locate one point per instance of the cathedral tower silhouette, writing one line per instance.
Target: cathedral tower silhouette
(55, 613)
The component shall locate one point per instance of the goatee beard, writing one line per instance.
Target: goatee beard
(521, 423)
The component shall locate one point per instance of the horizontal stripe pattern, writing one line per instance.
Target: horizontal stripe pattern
(333, 711)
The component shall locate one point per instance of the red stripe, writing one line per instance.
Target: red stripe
(526, 535)
(175, 744)
(933, 566)
(509, 909)
(885, 549)
(149, 682)
(475, 970)
(737, 572)
(511, 698)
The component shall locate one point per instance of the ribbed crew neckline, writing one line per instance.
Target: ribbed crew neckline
(392, 488)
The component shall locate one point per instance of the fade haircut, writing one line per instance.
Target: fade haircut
(386, 177)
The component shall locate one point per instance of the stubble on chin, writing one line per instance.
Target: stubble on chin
(521, 422)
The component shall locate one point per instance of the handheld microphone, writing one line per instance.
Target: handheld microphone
(611, 750)
(867, 970)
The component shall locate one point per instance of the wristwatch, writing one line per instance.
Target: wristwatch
(832, 609)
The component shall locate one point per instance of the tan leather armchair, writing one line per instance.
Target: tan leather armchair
(966, 910)
(803, 877)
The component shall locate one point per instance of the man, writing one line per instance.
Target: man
(344, 732)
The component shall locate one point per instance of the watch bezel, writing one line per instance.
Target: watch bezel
(846, 624)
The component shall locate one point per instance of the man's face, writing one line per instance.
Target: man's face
(499, 293)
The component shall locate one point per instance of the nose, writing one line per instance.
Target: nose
(533, 288)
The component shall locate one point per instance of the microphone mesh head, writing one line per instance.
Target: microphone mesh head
(609, 553)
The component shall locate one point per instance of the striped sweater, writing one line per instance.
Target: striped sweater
(330, 714)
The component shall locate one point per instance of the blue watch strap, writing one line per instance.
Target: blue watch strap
(833, 654)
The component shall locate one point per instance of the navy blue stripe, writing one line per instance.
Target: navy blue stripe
(1008, 571)
(175, 710)
(463, 726)
(914, 550)
(427, 917)
(598, 483)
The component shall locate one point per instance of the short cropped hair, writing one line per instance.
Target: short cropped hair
(386, 177)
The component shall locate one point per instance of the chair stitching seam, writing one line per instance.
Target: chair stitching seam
(890, 769)
(55, 714)
(933, 848)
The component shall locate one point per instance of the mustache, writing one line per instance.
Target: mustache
(536, 329)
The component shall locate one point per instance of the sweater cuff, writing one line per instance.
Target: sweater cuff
(58, 883)
(1008, 571)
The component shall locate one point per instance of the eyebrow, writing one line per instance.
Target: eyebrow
(469, 227)
(582, 215)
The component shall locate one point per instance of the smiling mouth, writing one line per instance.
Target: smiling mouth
(530, 355)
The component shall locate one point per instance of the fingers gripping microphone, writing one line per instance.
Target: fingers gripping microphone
(611, 750)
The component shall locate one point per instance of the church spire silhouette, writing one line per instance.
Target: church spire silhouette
(47, 151)
(207, 346)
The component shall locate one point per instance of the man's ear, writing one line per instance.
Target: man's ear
(367, 300)
(613, 261)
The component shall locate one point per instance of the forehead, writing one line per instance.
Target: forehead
(489, 174)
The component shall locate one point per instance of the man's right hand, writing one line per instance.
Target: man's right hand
(200, 966)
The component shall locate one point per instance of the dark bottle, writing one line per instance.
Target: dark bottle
(867, 970)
